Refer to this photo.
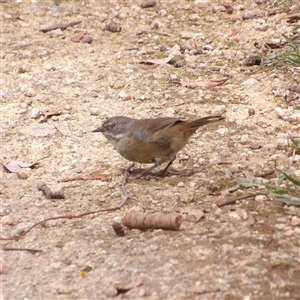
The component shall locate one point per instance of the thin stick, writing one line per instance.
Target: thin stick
(233, 201)
(22, 249)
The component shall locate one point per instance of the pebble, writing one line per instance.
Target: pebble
(181, 184)
(56, 265)
(35, 113)
(218, 212)
(23, 174)
(87, 39)
(282, 143)
(4, 267)
(95, 111)
(249, 82)
(295, 221)
(5, 209)
(23, 69)
(28, 90)
(289, 232)
(244, 139)
(7, 220)
(261, 198)
(20, 228)
(280, 226)
(110, 292)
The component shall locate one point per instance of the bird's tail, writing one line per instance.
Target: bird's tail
(206, 120)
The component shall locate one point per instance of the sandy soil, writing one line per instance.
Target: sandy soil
(55, 91)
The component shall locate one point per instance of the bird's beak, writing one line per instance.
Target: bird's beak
(99, 129)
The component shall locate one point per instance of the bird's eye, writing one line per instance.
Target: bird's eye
(114, 125)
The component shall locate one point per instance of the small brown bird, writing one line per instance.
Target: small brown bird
(151, 140)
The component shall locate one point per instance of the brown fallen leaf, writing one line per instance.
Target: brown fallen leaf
(234, 32)
(130, 286)
(85, 177)
(157, 61)
(16, 166)
(77, 37)
(204, 84)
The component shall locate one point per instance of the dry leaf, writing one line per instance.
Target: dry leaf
(204, 84)
(133, 284)
(157, 61)
(234, 32)
(16, 166)
(77, 37)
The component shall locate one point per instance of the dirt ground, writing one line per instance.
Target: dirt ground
(55, 91)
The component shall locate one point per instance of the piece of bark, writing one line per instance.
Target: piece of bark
(136, 220)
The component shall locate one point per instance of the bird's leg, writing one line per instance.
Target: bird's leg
(129, 169)
(146, 171)
(163, 173)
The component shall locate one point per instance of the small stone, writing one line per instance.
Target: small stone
(289, 232)
(20, 228)
(87, 39)
(282, 143)
(23, 69)
(280, 226)
(5, 209)
(148, 4)
(23, 174)
(261, 198)
(28, 90)
(249, 82)
(113, 27)
(208, 48)
(218, 8)
(4, 267)
(249, 15)
(251, 111)
(181, 184)
(295, 221)
(244, 139)
(95, 111)
(218, 212)
(35, 113)
(163, 48)
(110, 292)
(7, 220)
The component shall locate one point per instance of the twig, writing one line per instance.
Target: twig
(85, 177)
(233, 201)
(21, 249)
(65, 217)
(80, 215)
(265, 174)
(61, 26)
